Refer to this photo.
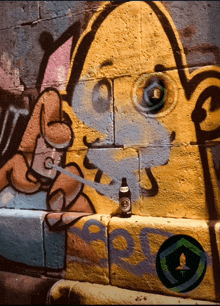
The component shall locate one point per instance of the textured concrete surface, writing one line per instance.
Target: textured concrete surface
(26, 239)
(77, 293)
(22, 236)
(18, 289)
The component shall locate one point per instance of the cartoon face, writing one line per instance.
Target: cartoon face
(134, 90)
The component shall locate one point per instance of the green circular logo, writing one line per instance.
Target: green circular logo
(181, 263)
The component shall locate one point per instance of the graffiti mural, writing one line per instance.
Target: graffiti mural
(141, 111)
(113, 99)
(115, 118)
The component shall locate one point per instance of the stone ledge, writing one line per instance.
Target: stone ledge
(84, 293)
(106, 250)
(135, 242)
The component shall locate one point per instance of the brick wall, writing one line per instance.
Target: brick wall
(92, 92)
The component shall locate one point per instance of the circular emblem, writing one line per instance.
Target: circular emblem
(154, 94)
(181, 263)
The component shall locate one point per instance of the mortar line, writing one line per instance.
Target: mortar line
(109, 261)
(136, 74)
(38, 20)
(113, 103)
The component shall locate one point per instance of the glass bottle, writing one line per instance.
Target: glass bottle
(125, 199)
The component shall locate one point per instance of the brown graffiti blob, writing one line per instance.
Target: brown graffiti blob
(46, 140)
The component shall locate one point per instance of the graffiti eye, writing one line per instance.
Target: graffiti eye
(101, 96)
(154, 94)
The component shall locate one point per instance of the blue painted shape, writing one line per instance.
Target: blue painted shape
(148, 264)
(93, 110)
(55, 247)
(10, 198)
(88, 237)
(105, 160)
(21, 236)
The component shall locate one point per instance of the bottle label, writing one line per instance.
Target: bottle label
(124, 188)
(125, 204)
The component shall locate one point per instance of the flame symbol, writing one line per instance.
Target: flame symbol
(182, 267)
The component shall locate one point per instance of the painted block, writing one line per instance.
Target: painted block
(21, 236)
(55, 237)
(92, 103)
(54, 247)
(134, 245)
(10, 198)
(180, 187)
(87, 250)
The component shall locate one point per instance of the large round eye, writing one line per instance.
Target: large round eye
(101, 96)
(154, 94)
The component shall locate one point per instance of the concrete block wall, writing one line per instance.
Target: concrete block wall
(106, 90)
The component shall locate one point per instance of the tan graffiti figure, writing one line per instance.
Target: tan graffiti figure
(46, 140)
